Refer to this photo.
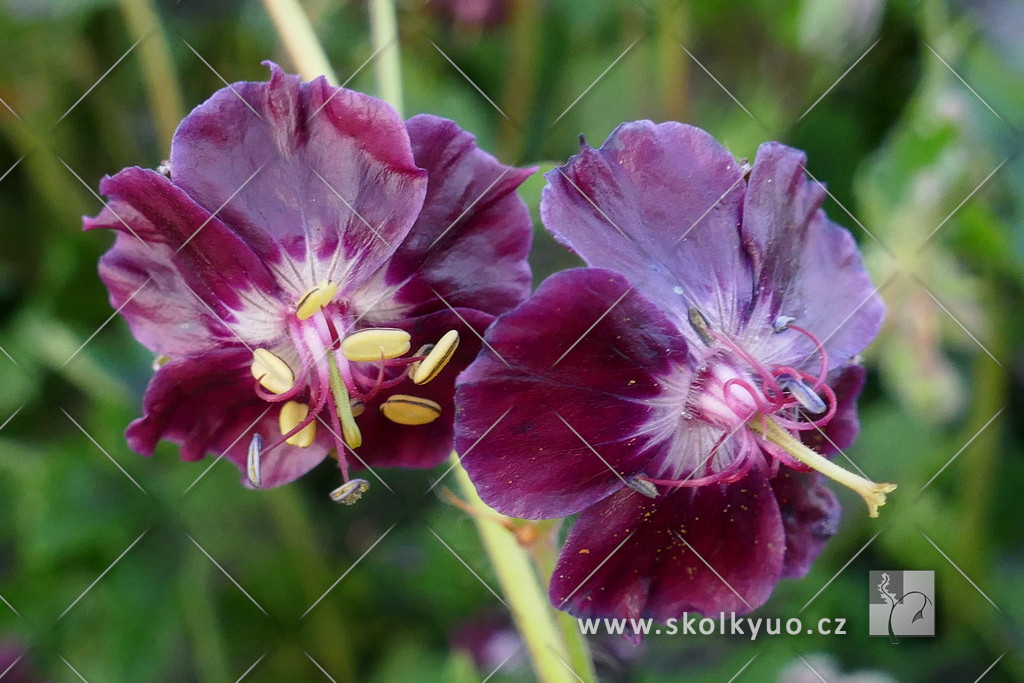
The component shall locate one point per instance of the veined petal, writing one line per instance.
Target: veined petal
(192, 259)
(471, 240)
(661, 204)
(205, 403)
(581, 368)
(150, 293)
(810, 515)
(710, 549)
(777, 207)
(810, 268)
(320, 181)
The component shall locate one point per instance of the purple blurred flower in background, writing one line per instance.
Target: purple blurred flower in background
(15, 666)
(672, 392)
(306, 269)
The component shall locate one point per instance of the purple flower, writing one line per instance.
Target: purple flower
(295, 216)
(672, 392)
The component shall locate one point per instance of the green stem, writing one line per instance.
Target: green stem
(292, 522)
(201, 623)
(162, 86)
(520, 75)
(978, 463)
(521, 586)
(673, 64)
(545, 556)
(384, 27)
(300, 41)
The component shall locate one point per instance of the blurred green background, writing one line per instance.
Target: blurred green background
(910, 112)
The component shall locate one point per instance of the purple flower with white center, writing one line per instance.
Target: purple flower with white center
(681, 393)
(305, 270)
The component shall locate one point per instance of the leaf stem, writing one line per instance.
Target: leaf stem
(521, 586)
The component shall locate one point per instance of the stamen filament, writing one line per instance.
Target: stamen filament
(872, 493)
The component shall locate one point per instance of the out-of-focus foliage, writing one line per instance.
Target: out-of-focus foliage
(910, 113)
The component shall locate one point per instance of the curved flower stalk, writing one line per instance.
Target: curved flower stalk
(306, 268)
(681, 393)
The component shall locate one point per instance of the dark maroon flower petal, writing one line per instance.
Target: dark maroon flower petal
(810, 267)
(394, 445)
(179, 246)
(626, 556)
(530, 463)
(206, 404)
(471, 239)
(810, 515)
(660, 204)
(303, 171)
(842, 429)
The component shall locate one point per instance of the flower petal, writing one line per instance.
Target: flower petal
(709, 549)
(661, 204)
(471, 239)
(571, 358)
(810, 515)
(150, 293)
(810, 268)
(305, 173)
(191, 258)
(206, 404)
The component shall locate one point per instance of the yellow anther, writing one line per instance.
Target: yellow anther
(437, 358)
(357, 407)
(292, 413)
(160, 361)
(375, 344)
(410, 410)
(316, 298)
(271, 371)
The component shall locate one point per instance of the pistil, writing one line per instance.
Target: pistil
(349, 429)
(872, 493)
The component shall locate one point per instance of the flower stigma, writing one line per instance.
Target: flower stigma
(775, 404)
(872, 493)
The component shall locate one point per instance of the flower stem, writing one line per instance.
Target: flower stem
(162, 86)
(521, 586)
(384, 27)
(294, 527)
(300, 41)
(872, 493)
(545, 556)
